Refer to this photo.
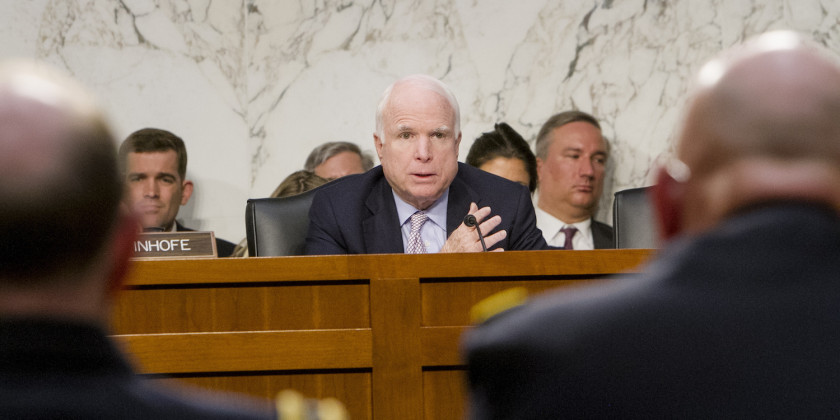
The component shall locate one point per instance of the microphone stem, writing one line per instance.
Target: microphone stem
(469, 220)
(481, 238)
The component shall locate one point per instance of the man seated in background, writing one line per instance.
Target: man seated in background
(154, 167)
(571, 161)
(297, 182)
(65, 244)
(505, 153)
(337, 159)
(416, 200)
(737, 317)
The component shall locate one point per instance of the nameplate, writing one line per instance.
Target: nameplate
(158, 245)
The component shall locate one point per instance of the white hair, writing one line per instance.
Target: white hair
(426, 82)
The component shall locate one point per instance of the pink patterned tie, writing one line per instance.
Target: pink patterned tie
(569, 231)
(415, 242)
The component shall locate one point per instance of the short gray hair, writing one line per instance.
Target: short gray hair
(559, 120)
(325, 151)
(427, 82)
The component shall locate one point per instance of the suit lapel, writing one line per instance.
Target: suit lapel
(381, 226)
(601, 236)
(460, 197)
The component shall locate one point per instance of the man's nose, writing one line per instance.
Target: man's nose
(586, 168)
(150, 189)
(423, 149)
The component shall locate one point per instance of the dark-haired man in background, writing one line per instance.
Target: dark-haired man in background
(154, 166)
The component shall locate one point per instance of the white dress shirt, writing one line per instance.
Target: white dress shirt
(550, 227)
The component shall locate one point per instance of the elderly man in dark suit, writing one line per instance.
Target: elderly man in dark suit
(416, 201)
(64, 250)
(738, 316)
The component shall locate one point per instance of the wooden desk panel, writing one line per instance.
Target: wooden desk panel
(243, 307)
(378, 332)
(444, 391)
(448, 303)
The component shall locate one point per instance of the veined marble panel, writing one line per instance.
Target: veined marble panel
(253, 85)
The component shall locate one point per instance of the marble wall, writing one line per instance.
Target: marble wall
(254, 85)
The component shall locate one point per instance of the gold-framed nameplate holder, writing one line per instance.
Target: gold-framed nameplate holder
(174, 245)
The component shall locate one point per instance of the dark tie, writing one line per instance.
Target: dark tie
(415, 242)
(569, 231)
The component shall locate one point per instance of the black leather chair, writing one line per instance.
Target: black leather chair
(633, 219)
(277, 226)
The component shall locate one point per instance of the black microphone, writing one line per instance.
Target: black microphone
(470, 221)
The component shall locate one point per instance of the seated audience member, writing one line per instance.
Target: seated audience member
(65, 244)
(154, 165)
(416, 200)
(571, 159)
(297, 182)
(337, 159)
(505, 153)
(737, 316)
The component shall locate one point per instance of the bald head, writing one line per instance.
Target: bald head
(59, 184)
(762, 126)
(775, 97)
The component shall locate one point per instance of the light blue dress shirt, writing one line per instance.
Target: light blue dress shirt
(433, 231)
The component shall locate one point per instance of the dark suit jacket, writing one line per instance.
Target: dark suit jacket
(223, 247)
(741, 322)
(60, 370)
(603, 236)
(357, 215)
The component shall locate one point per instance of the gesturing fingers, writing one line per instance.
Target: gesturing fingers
(479, 213)
(488, 226)
(465, 238)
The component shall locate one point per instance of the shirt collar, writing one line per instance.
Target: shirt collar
(436, 212)
(551, 225)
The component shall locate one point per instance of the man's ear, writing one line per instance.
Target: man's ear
(377, 143)
(121, 250)
(539, 169)
(667, 197)
(186, 192)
